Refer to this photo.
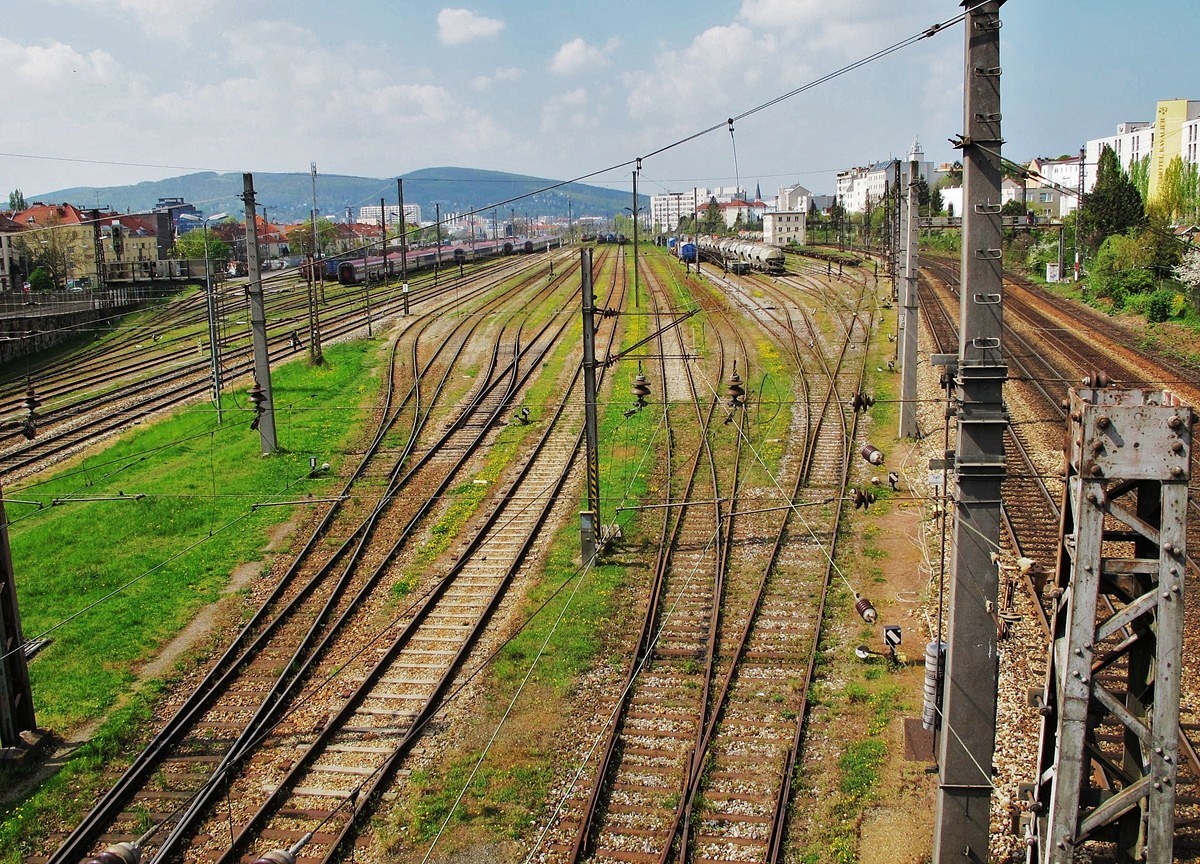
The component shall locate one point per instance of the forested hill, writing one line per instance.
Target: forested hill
(288, 197)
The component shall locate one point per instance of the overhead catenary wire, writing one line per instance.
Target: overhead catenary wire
(927, 33)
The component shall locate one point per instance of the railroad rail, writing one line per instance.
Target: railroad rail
(703, 769)
(1047, 353)
(108, 389)
(245, 691)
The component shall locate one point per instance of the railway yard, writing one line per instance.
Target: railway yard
(400, 655)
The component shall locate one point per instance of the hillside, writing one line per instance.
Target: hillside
(288, 197)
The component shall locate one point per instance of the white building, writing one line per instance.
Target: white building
(1133, 140)
(785, 226)
(667, 209)
(859, 187)
(1175, 132)
(1051, 186)
(795, 199)
(370, 215)
(952, 198)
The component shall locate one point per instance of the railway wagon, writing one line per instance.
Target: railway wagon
(759, 256)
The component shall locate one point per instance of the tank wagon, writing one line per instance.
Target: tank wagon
(733, 252)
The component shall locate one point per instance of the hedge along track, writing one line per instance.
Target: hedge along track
(1031, 513)
(258, 673)
(737, 806)
(112, 396)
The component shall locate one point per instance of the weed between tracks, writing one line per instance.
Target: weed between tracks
(509, 793)
(847, 797)
(200, 481)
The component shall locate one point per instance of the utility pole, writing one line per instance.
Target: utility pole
(16, 695)
(316, 236)
(635, 234)
(969, 705)
(589, 520)
(403, 245)
(258, 323)
(910, 223)
(1079, 219)
(314, 316)
(437, 264)
(896, 233)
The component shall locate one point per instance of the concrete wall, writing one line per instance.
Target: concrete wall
(45, 320)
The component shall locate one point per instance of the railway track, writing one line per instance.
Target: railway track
(261, 673)
(1047, 354)
(700, 753)
(111, 387)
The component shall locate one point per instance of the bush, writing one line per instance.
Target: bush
(39, 280)
(1160, 305)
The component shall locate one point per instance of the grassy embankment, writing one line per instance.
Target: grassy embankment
(113, 579)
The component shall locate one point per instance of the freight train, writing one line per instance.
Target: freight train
(737, 254)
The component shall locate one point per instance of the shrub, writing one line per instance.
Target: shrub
(39, 280)
(1160, 305)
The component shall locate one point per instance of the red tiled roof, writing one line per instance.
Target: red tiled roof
(45, 214)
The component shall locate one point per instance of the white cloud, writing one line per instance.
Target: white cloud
(456, 26)
(568, 111)
(717, 69)
(578, 56)
(790, 13)
(503, 74)
(49, 67)
(858, 28)
(157, 20)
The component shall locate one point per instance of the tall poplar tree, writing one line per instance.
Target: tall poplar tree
(1114, 205)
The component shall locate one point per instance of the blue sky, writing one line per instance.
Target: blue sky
(553, 89)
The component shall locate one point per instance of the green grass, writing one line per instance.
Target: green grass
(169, 553)
(112, 581)
(500, 798)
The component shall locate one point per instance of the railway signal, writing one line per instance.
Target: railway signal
(31, 403)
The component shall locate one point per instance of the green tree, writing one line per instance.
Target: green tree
(936, 205)
(191, 245)
(40, 280)
(1139, 175)
(300, 238)
(1177, 192)
(712, 221)
(1012, 208)
(954, 176)
(1114, 205)
(16, 201)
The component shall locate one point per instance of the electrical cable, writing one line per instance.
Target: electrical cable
(885, 52)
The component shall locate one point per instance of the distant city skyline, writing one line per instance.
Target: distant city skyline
(102, 94)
